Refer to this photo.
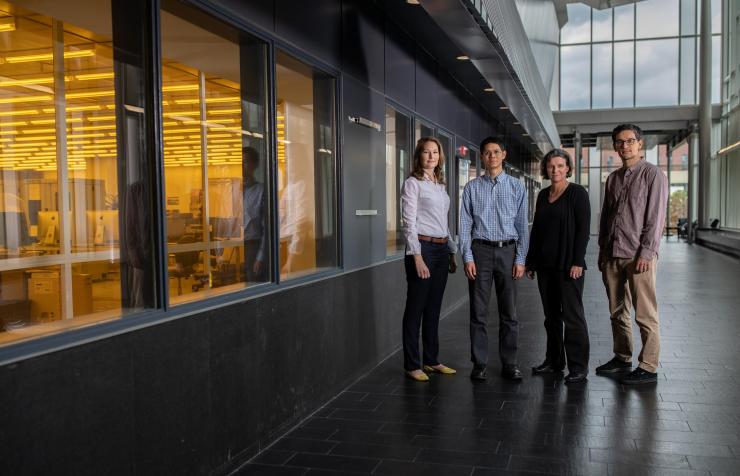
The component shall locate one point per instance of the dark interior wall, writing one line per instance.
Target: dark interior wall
(203, 392)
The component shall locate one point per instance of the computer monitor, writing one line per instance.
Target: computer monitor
(48, 228)
(102, 226)
(176, 227)
(14, 230)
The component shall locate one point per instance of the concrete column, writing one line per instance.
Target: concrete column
(705, 112)
(693, 141)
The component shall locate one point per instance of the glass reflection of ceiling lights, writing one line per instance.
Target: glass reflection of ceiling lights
(28, 120)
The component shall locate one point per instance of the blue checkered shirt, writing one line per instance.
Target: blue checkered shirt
(494, 210)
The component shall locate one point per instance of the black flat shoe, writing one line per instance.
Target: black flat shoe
(640, 376)
(545, 368)
(478, 373)
(575, 377)
(511, 372)
(614, 366)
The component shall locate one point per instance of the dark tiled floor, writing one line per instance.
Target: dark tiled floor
(687, 424)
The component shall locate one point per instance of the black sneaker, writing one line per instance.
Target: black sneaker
(640, 376)
(613, 366)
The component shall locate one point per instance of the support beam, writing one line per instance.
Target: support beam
(705, 112)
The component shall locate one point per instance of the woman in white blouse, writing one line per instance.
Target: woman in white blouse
(430, 253)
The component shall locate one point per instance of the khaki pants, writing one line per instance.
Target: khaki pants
(625, 289)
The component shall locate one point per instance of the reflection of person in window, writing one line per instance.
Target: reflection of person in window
(292, 214)
(254, 217)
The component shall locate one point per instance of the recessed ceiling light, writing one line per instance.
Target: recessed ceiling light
(463, 57)
(488, 90)
(412, 2)
(516, 123)
(525, 134)
(504, 108)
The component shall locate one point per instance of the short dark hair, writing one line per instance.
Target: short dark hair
(492, 140)
(551, 155)
(250, 153)
(626, 127)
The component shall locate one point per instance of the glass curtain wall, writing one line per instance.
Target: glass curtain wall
(215, 156)
(73, 163)
(636, 55)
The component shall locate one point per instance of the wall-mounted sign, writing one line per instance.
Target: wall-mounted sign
(364, 213)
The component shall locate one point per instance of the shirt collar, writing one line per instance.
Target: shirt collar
(499, 178)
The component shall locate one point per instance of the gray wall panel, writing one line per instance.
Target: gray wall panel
(363, 43)
(400, 67)
(363, 172)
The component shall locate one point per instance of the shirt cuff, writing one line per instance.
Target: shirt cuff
(647, 254)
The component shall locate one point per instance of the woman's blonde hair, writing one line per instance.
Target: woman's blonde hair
(417, 169)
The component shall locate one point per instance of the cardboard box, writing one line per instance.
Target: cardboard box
(82, 294)
(45, 295)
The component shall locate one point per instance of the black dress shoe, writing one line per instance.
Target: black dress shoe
(511, 372)
(545, 368)
(575, 377)
(478, 373)
(640, 376)
(613, 366)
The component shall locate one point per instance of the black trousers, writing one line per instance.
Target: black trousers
(493, 267)
(423, 304)
(565, 321)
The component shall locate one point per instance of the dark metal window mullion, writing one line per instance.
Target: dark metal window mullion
(271, 146)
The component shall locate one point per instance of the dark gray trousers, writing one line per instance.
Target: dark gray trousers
(493, 267)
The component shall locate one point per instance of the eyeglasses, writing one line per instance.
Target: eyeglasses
(621, 143)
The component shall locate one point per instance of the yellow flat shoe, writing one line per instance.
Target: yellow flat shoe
(417, 375)
(440, 369)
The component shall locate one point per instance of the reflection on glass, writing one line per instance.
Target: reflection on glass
(306, 151)
(574, 82)
(60, 150)
(214, 158)
(688, 70)
(624, 22)
(602, 25)
(657, 73)
(716, 68)
(656, 18)
(623, 74)
(578, 28)
(716, 17)
(601, 96)
(397, 168)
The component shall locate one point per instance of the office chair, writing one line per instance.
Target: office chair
(182, 265)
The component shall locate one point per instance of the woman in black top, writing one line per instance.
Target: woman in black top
(557, 253)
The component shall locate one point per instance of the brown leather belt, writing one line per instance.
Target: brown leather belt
(431, 239)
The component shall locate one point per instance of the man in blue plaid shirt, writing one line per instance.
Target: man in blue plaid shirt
(494, 237)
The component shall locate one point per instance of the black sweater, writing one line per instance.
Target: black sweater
(560, 231)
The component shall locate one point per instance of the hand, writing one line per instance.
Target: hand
(518, 271)
(453, 264)
(530, 274)
(470, 270)
(642, 265)
(257, 267)
(421, 268)
(288, 266)
(576, 272)
(602, 262)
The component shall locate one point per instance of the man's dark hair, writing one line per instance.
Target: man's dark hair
(492, 140)
(551, 155)
(250, 153)
(626, 127)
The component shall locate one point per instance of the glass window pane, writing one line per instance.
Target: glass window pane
(657, 73)
(574, 81)
(602, 25)
(678, 198)
(422, 129)
(716, 16)
(716, 68)
(624, 22)
(688, 70)
(688, 17)
(602, 76)
(214, 115)
(624, 74)
(578, 28)
(64, 135)
(656, 18)
(306, 163)
(397, 168)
